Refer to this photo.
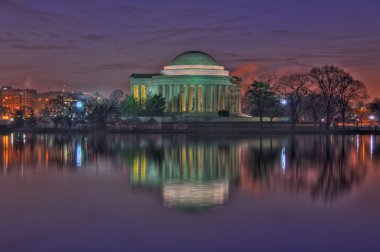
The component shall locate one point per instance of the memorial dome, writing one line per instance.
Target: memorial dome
(194, 63)
(194, 58)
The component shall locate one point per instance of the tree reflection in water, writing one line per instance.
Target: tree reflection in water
(326, 166)
(199, 172)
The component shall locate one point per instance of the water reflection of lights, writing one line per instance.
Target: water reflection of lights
(195, 195)
(283, 159)
(78, 155)
(65, 153)
(357, 143)
(190, 173)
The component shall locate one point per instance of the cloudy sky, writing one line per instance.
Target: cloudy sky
(94, 45)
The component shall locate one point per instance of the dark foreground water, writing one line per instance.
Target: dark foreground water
(183, 193)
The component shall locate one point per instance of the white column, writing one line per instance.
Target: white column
(237, 100)
(232, 96)
(226, 98)
(235, 94)
(204, 98)
(212, 92)
(169, 96)
(219, 98)
(187, 98)
(174, 98)
(139, 92)
(196, 97)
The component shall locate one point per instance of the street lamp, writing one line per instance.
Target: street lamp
(79, 104)
(372, 118)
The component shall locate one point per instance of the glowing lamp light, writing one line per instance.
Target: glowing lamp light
(79, 105)
(372, 117)
(283, 101)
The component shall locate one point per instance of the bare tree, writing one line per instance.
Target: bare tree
(274, 109)
(329, 80)
(113, 106)
(294, 88)
(314, 107)
(350, 91)
(116, 96)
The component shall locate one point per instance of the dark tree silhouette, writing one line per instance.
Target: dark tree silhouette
(274, 109)
(155, 105)
(329, 80)
(116, 96)
(294, 88)
(152, 106)
(314, 107)
(130, 106)
(259, 96)
(349, 92)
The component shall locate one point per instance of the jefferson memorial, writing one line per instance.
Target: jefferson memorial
(193, 83)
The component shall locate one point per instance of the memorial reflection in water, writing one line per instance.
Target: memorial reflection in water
(190, 175)
(192, 172)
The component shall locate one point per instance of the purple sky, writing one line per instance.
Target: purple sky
(94, 45)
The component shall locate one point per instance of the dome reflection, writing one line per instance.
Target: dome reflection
(195, 195)
(189, 175)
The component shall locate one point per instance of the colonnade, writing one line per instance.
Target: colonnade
(187, 161)
(195, 98)
(201, 98)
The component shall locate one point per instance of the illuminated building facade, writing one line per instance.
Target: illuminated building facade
(193, 84)
(14, 99)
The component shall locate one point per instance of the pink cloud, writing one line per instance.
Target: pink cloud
(246, 72)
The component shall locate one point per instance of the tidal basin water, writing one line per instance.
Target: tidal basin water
(114, 192)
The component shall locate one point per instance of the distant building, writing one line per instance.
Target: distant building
(193, 83)
(43, 99)
(14, 99)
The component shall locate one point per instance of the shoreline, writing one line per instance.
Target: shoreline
(217, 130)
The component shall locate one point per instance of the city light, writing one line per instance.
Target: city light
(284, 102)
(79, 105)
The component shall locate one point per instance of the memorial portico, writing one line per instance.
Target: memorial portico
(193, 83)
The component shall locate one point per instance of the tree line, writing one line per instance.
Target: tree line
(325, 96)
(81, 112)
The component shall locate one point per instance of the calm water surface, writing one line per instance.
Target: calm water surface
(186, 193)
